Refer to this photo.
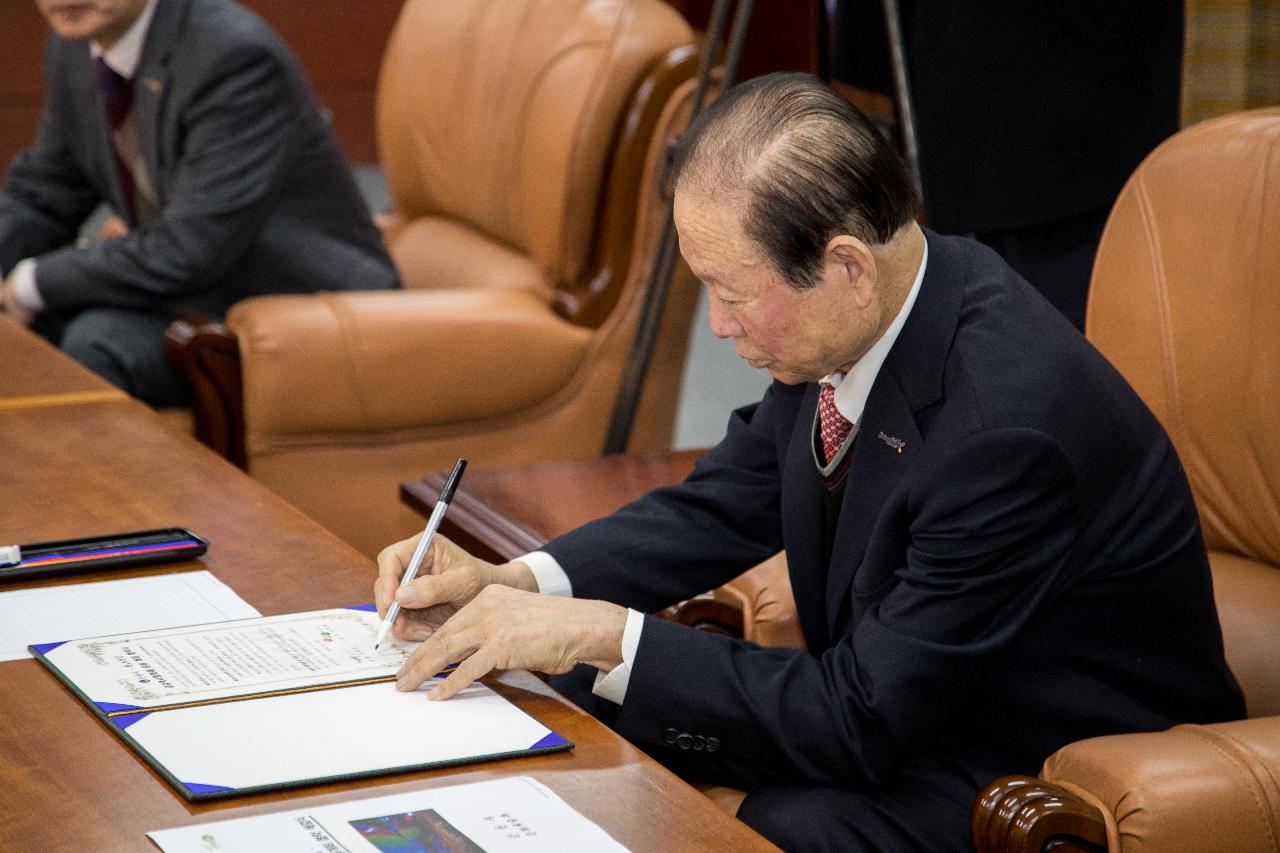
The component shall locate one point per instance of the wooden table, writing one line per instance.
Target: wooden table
(501, 513)
(33, 373)
(107, 465)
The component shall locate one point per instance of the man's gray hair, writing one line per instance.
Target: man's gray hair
(806, 165)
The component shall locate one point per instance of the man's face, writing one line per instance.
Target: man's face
(797, 335)
(103, 21)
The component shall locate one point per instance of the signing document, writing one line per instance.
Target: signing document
(518, 814)
(29, 616)
(280, 701)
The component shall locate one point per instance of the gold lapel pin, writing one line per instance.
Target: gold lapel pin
(153, 85)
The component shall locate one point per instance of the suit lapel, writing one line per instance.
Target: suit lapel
(889, 435)
(887, 443)
(151, 87)
(88, 107)
(802, 525)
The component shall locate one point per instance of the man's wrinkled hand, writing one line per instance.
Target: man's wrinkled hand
(505, 628)
(448, 579)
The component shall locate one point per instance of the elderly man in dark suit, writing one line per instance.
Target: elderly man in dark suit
(991, 541)
(196, 125)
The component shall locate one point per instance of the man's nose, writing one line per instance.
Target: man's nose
(722, 324)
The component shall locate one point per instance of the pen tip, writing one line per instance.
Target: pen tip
(375, 646)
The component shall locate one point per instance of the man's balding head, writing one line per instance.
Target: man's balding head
(802, 164)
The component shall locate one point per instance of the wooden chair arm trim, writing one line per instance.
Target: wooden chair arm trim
(707, 614)
(206, 354)
(589, 303)
(1023, 814)
(473, 524)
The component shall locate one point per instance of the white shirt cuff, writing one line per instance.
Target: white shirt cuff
(547, 574)
(23, 276)
(612, 685)
(552, 580)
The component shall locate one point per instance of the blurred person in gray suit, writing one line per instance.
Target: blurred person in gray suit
(197, 126)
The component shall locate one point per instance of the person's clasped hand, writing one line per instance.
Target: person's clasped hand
(485, 617)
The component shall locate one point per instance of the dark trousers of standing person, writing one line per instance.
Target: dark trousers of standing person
(1057, 258)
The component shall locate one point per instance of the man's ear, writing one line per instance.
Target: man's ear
(850, 261)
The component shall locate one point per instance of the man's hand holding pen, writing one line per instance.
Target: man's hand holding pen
(448, 579)
(487, 617)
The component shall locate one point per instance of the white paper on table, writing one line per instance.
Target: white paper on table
(330, 735)
(46, 614)
(197, 663)
(514, 814)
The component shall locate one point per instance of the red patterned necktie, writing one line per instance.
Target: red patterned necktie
(833, 426)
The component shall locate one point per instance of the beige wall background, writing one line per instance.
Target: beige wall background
(1232, 57)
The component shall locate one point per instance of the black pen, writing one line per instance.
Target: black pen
(420, 553)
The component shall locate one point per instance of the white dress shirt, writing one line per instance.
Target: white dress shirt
(123, 57)
(851, 394)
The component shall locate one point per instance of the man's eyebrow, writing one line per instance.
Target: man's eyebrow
(728, 293)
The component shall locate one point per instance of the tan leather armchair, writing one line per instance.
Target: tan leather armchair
(757, 606)
(522, 143)
(1185, 301)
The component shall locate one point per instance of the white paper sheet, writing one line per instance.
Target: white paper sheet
(514, 815)
(330, 733)
(192, 663)
(48, 614)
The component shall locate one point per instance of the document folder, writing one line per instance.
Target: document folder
(275, 702)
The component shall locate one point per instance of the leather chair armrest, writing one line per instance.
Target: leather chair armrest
(757, 606)
(768, 605)
(206, 354)
(705, 613)
(1191, 788)
(367, 362)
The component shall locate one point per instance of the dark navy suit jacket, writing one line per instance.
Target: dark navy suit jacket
(254, 192)
(1017, 561)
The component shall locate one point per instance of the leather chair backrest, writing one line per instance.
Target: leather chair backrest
(500, 117)
(1185, 302)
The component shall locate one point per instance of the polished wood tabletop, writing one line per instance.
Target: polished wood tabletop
(109, 465)
(501, 513)
(31, 369)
